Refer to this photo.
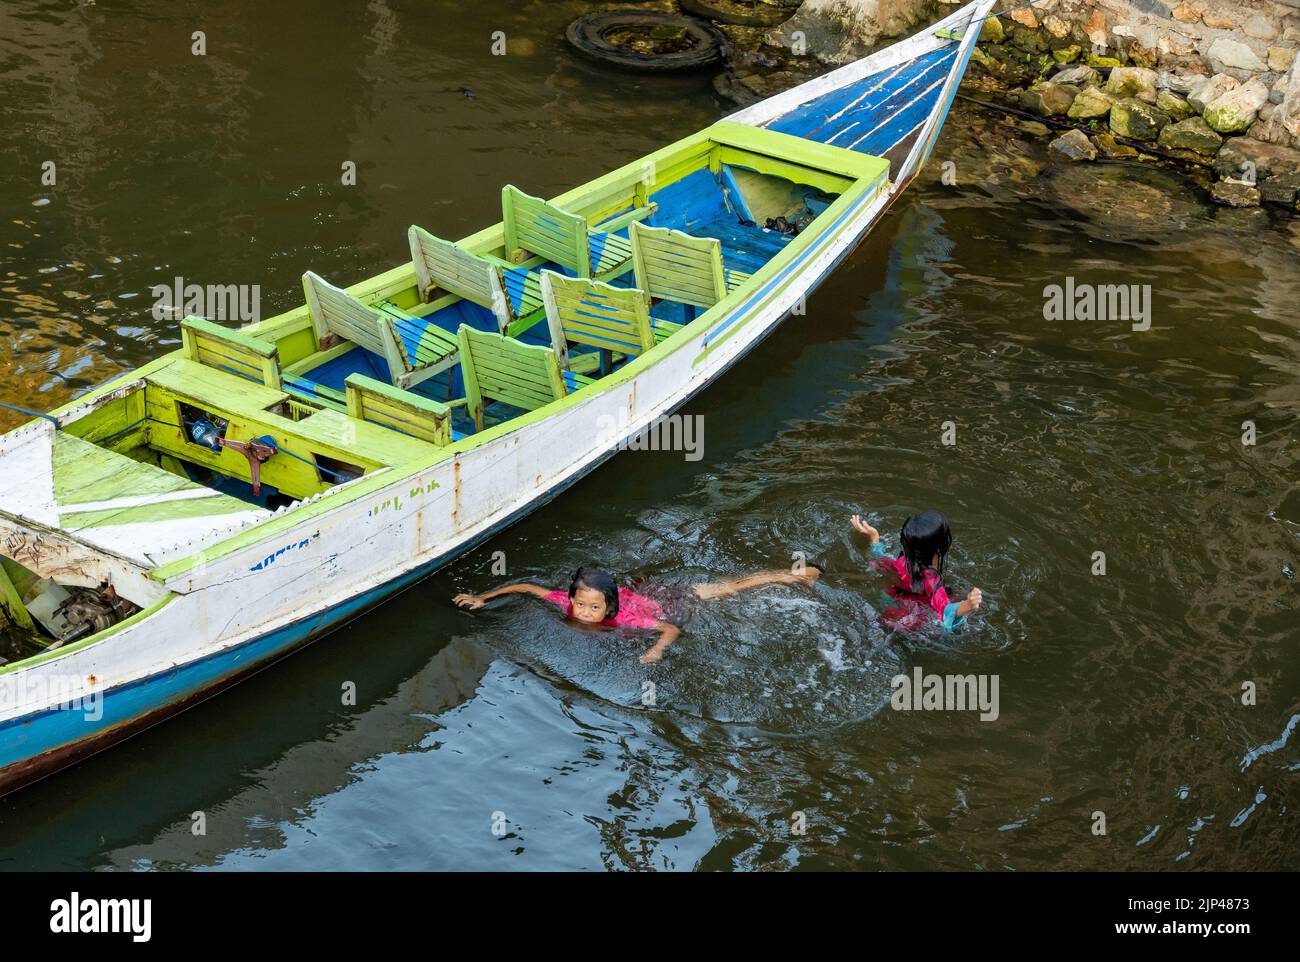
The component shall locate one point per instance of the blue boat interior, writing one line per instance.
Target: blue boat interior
(703, 204)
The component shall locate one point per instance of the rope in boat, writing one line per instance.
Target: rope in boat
(35, 414)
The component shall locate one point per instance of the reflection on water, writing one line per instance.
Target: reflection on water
(1119, 693)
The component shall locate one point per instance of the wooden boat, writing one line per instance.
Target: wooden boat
(190, 522)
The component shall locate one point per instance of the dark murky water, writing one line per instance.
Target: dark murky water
(1118, 694)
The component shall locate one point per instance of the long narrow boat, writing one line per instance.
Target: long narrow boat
(189, 522)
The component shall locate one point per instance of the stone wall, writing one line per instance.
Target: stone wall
(1209, 81)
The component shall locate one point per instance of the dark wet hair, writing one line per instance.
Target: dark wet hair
(597, 580)
(923, 536)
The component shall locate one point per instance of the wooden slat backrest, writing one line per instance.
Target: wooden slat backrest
(234, 351)
(677, 267)
(533, 225)
(335, 311)
(442, 265)
(383, 404)
(581, 311)
(501, 368)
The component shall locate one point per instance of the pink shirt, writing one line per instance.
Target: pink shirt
(634, 610)
(912, 604)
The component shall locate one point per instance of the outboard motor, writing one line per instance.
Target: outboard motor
(87, 611)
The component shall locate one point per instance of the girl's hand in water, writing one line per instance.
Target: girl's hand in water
(469, 601)
(653, 655)
(865, 528)
(975, 599)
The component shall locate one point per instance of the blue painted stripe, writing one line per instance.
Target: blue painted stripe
(810, 119)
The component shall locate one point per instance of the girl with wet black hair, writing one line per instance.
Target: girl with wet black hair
(925, 538)
(594, 598)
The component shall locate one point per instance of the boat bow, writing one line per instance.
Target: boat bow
(890, 104)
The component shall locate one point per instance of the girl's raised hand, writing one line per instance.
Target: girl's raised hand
(468, 601)
(865, 528)
(975, 599)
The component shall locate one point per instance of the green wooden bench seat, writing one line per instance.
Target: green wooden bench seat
(616, 320)
(441, 267)
(534, 227)
(382, 404)
(498, 368)
(414, 348)
(228, 350)
(674, 266)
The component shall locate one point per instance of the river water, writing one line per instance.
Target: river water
(770, 741)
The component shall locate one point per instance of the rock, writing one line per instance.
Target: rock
(1112, 149)
(1137, 44)
(1025, 17)
(1260, 27)
(1174, 105)
(1080, 76)
(1211, 90)
(992, 31)
(1191, 134)
(1131, 117)
(1057, 27)
(1269, 130)
(1187, 12)
(1095, 28)
(1267, 160)
(1184, 84)
(1290, 113)
(1033, 127)
(1067, 54)
(1280, 190)
(1217, 21)
(1227, 53)
(1131, 81)
(1048, 99)
(1236, 110)
(1031, 41)
(1093, 60)
(1233, 194)
(1073, 145)
(1281, 58)
(1091, 102)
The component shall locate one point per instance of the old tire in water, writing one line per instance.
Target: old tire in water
(739, 12)
(647, 40)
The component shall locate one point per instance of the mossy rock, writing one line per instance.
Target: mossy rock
(1029, 40)
(992, 31)
(1174, 105)
(1137, 120)
(1191, 134)
(1091, 102)
(1067, 54)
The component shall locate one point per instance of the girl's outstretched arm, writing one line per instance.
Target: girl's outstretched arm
(877, 548)
(668, 633)
(478, 601)
(972, 603)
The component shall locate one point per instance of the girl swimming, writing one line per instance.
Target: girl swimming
(926, 539)
(594, 598)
